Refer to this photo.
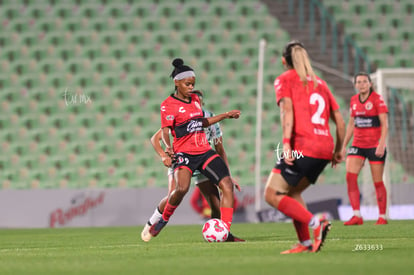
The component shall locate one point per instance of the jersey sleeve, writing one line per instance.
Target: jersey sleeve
(167, 116)
(380, 105)
(352, 107)
(281, 89)
(332, 101)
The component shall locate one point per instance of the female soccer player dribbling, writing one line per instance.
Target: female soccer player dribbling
(368, 123)
(306, 104)
(209, 191)
(181, 113)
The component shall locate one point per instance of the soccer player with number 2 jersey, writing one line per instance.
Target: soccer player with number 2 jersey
(306, 105)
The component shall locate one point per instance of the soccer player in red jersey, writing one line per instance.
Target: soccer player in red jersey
(368, 123)
(209, 193)
(181, 113)
(306, 105)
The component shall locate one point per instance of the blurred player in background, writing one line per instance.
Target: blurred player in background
(209, 192)
(306, 104)
(181, 113)
(368, 123)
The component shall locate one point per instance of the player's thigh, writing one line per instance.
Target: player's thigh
(354, 164)
(182, 177)
(276, 183)
(377, 171)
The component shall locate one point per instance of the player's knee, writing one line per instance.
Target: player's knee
(226, 184)
(182, 190)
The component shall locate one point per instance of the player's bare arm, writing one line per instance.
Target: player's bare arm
(286, 118)
(169, 153)
(230, 114)
(379, 152)
(348, 134)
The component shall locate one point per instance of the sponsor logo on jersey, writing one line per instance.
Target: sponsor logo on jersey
(194, 126)
(162, 108)
(354, 106)
(169, 117)
(197, 105)
(367, 122)
(181, 110)
(195, 114)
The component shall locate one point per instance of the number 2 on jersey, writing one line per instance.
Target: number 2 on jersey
(317, 116)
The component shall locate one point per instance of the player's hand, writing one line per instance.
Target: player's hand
(167, 161)
(337, 157)
(380, 151)
(236, 184)
(233, 114)
(169, 151)
(287, 154)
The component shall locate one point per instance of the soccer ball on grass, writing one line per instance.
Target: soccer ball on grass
(214, 230)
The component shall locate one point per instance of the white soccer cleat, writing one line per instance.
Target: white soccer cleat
(145, 235)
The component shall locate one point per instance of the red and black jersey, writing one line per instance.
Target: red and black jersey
(367, 131)
(312, 107)
(185, 120)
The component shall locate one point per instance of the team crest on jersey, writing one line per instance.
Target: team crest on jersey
(197, 105)
(369, 105)
(169, 117)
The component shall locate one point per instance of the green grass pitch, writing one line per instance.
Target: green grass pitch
(366, 249)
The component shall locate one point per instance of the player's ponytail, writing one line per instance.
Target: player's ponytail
(297, 58)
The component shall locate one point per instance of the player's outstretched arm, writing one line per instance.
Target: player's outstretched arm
(211, 120)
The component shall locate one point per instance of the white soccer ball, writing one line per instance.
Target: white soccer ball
(214, 230)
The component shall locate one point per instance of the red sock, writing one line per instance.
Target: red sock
(227, 216)
(381, 197)
(302, 230)
(353, 190)
(292, 208)
(168, 211)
